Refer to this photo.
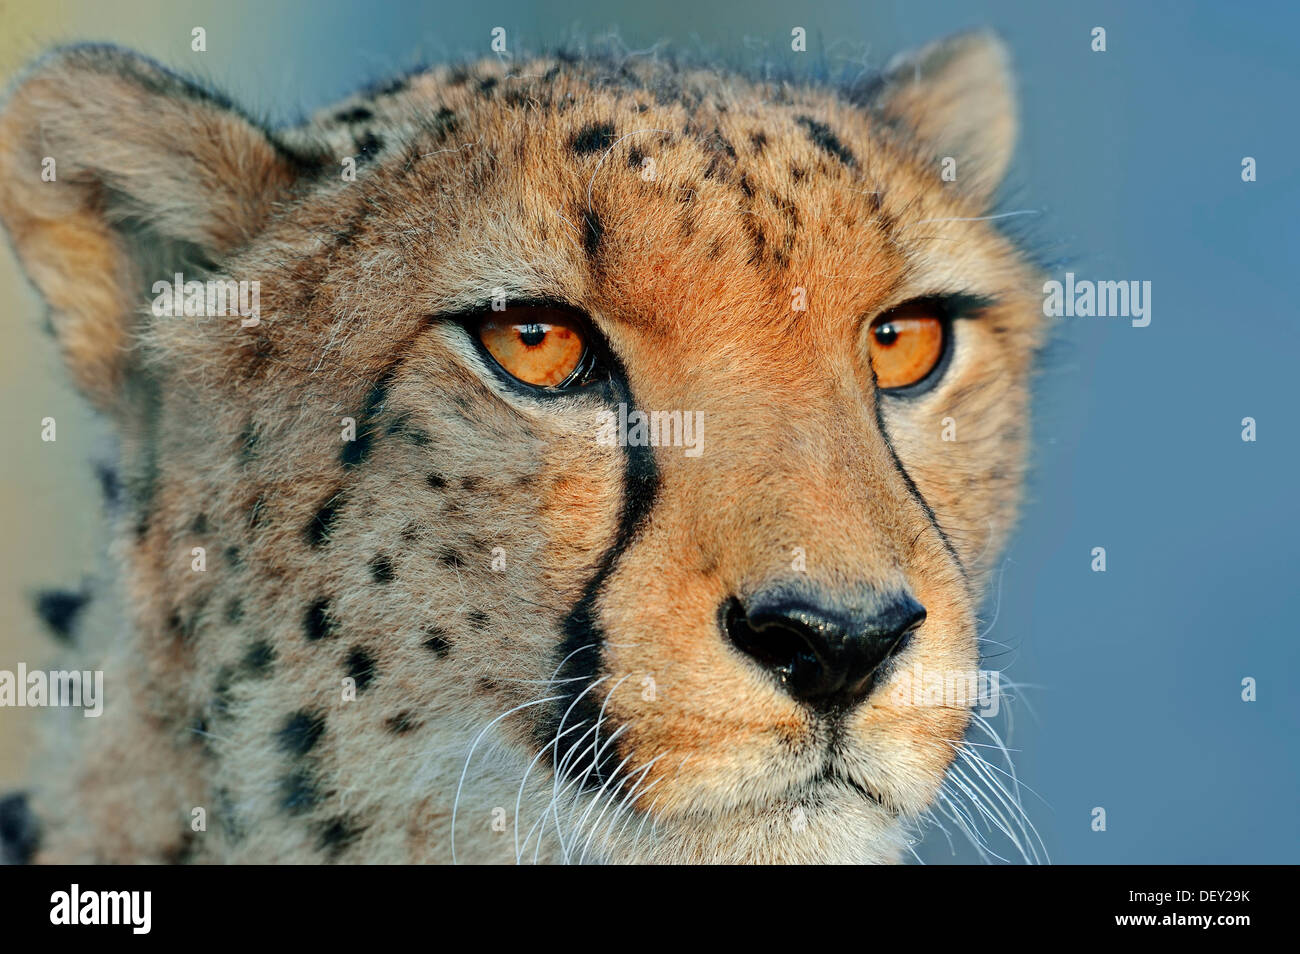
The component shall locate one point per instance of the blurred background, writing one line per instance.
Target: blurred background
(1131, 161)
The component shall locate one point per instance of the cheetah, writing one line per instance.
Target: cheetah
(604, 442)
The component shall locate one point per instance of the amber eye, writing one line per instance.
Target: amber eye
(541, 346)
(906, 344)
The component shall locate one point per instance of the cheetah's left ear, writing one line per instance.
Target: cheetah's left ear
(956, 98)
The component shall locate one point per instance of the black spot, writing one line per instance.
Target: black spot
(298, 793)
(444, 122)
(234, 611)
(797, 173)
(408, 432)
(367, 147)
(301, 732)
(745, 187)
(20, 833)
(758, 140)
(360, 666)
(233, 557)
(822, 136)
(59, 610)
(317, 622)
(486, 86)
(472, 483)
(339, 834)
(200, 524)
(247, 442)
(220, 704)
(358, 114)
(109, 485)
(184, 852)
(634, 157)
(356, 451)
(401, 723)
(381, 569)
(478, 619)
(436, 641)
(318, 529)
(448, 556)
(592, 233)
(259, 658)
(594, 137)
(436, 481)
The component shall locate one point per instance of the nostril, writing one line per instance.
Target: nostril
(773, 642)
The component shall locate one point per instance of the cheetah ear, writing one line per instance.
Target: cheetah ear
(114, 173)
(956, 98)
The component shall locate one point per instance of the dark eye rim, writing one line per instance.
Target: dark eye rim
(592, 369)
(948, 309)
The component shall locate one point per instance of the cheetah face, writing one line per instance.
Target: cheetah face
(612, 446)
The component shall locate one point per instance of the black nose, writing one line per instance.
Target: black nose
(824, 656)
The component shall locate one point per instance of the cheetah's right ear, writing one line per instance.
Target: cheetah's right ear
(114, 172)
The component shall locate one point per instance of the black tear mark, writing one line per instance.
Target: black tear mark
(592, 233)
(826, 140)
(298, 792)
(436, 641)
(320, 525)
(59, 610)
(360, 666)
(259, 659)
(594, 137)
(358, 114)
(338, 835)
(20, 832)
(301, 732)
(401, 723)
(381, 569)
(579, 653)
(317, 622)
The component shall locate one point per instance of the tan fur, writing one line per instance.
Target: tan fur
(242, 426)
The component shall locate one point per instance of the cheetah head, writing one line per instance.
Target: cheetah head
(600, 450)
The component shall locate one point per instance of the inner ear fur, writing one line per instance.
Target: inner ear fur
(149, 171)
(957, 99)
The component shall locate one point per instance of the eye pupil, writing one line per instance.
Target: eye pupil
(886, 334)
(532, 335)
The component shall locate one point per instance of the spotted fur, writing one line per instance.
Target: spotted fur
(582, 694)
